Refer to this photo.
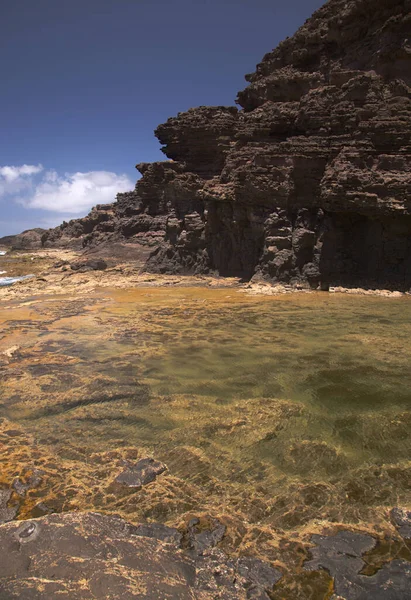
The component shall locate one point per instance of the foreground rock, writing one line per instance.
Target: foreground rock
(309, 183)
(402, 520)
(89, 556)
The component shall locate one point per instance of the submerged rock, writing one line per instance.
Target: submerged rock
(341, 555)
(21, 487)
(141, 473)
(402, 520)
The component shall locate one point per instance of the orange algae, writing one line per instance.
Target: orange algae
(280, 415)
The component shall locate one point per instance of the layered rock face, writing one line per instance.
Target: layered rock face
(309, 183)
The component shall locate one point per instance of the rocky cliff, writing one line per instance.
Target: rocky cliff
(31, 239)
(309, 182)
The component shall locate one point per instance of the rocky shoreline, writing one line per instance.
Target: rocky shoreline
(173, 372)
(224, 540)
(308, 183)
(60, 271)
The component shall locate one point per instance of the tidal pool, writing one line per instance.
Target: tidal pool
(281, 415)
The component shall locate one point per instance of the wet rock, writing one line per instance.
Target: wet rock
(246, 578)
(40, 510)
(255, 592)
(205, 534)
(6, 513)
(402, 520)
(217, 575)
(89, 556)
(22, 487)
(45, 562)
(341, 556)
(260, 575)
(158, 532)
(141, 473)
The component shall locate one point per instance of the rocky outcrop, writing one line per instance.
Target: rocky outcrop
(27, 240)
(90, 555)
(73, 234)
(309, 182)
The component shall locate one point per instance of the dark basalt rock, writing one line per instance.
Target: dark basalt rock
(309, 183)
(141, 473)
(92, 556)
(201, 537)
(261, 575)
(341, 556)
(41, 559)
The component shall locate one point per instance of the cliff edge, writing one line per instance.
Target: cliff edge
(309, 182)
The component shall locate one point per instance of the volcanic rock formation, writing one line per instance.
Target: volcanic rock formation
(309, 183)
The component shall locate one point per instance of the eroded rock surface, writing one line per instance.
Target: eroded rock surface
(341, 555)
(309, 182)
(89, 555)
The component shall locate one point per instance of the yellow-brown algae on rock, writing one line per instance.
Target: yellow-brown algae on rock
(279, 416)
(223, 408)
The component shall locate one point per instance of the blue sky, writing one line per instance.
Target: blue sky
(86, 82)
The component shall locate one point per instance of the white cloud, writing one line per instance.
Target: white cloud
(68, 194)
(76, 192)
(16, 179)
(12, 173)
